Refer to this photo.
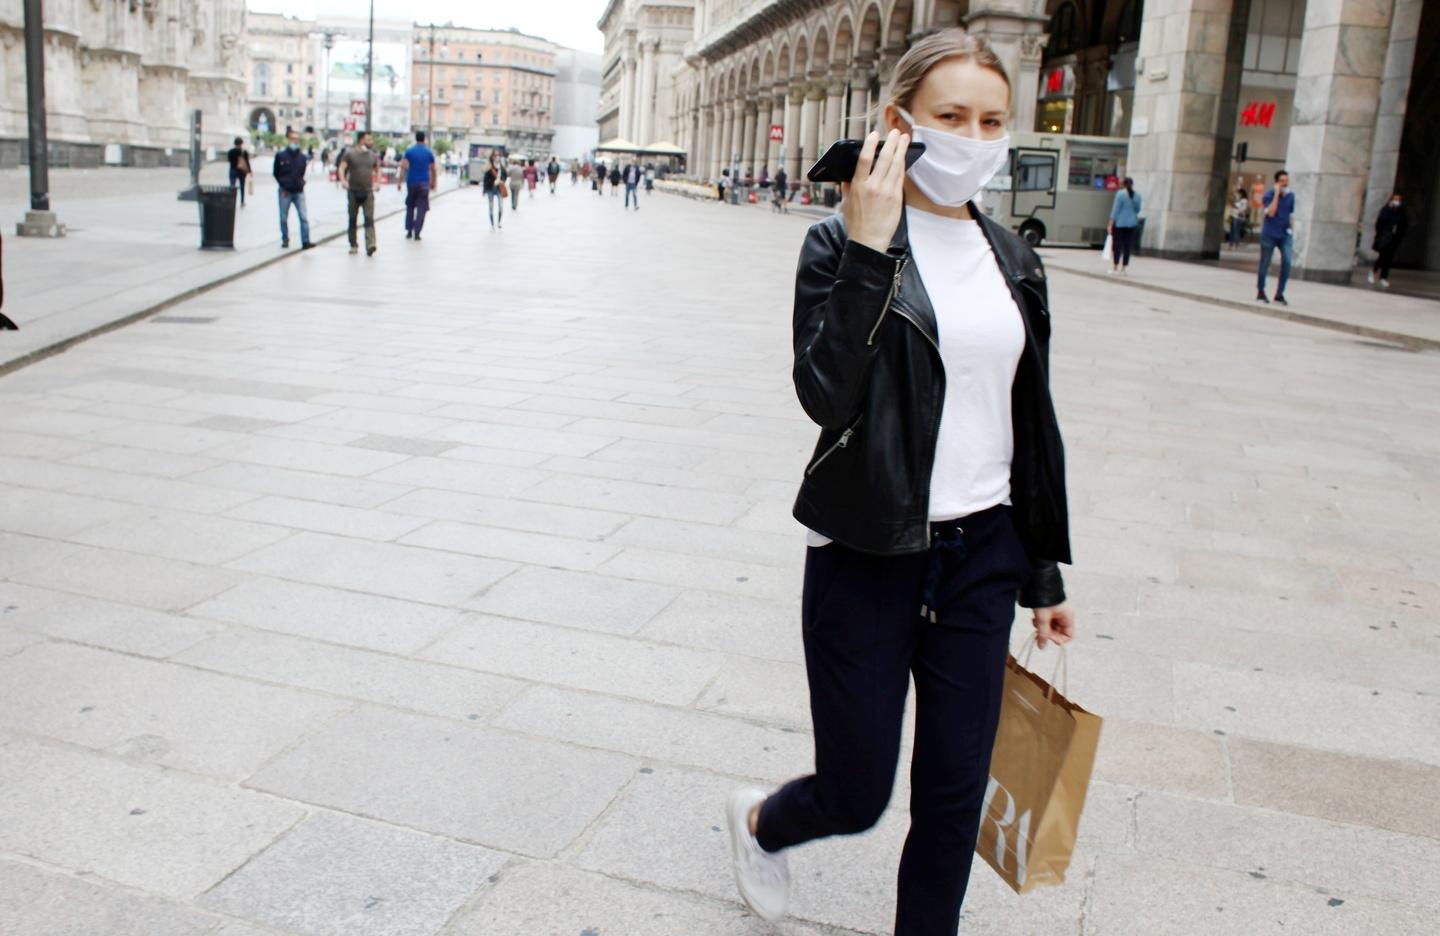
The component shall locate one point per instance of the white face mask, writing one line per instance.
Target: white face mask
(954, 168)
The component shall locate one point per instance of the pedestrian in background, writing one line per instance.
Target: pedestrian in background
(1276, 230)
(780, 197)
(1239, 215)
(615, 178)
(517, 184)
(495, 190)
(632, 180)
(289, 171)
(239, 167)
(649, 179)
(418, 176)
(1124, 219)
(1390, 227)
(358, 168)
(720, 185)
(552, 173)
(923, 530)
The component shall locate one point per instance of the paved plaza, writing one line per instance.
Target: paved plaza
(448, 591)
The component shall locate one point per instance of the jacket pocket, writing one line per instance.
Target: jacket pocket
(839, 443)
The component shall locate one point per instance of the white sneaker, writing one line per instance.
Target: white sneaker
(1385, 283)
(762, 877)
(1371, 277)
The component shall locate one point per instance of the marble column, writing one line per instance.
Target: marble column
(792, 131)
(646, 97)
(1332, 129)
(1390, 118)
(627, 97)
(1179, 79)
(777, 116)
(860, 119)
(747, 139)
(760, 143)
(834, 125)
(725, 151)
(810, 126)
(1015, 30)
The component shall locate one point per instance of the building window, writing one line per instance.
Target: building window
(440, 93)
(1272, 43)
(479, 95)
(310, 70)
(494, 119)
(289, 89)
(1063, 38)
(289, 68)
(309, 90)
(262, 80)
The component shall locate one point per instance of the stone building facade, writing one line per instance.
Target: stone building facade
(644, 44)
(287, 68)
(577, 98)
(121, 79)
(771, 83)
(485, 88)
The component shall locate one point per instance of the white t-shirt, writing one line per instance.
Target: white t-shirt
(981, 339)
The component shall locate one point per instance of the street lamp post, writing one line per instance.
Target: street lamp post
(370, 69)
(39, 220)
(329, 44)
(430, 102)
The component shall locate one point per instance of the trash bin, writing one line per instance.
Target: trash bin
(217, 216)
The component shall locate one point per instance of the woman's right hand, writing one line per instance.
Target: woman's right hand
(873, 200)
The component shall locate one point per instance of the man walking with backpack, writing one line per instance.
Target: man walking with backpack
(289, 169)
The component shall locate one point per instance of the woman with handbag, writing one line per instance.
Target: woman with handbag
(936, 494)
(1390, 227)
(496, 190)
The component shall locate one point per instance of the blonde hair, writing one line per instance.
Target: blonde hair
(930, 50)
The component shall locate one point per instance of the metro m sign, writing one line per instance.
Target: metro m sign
(777, 133)
(357, 107)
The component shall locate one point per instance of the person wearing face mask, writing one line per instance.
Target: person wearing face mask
(289, 169)
(935, 498)
(1390, 227)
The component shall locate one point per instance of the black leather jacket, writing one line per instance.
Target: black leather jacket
(868, 371)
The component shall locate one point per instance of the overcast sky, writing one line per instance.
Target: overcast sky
(568, 22)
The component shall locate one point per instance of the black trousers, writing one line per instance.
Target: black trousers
(1124, 244)
(864, 638)
(1383, 262)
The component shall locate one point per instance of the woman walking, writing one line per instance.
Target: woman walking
(1239, 216)
(240, 171)
(1124, 219)
(1390, 227)
(494, 187)
(936, 495)
(517, 185)
(615, 177)
(532, 175)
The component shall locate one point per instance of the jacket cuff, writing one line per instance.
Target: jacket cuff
(1046, 587)
(859, 262)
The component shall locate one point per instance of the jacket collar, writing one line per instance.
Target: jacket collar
(913, 301)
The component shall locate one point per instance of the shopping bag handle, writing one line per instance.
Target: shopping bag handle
(1061, 675)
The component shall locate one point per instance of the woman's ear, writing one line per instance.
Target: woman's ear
(890, 119)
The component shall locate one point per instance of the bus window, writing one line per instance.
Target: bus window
(1034, 173)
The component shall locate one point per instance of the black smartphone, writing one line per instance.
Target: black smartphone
(839, 161)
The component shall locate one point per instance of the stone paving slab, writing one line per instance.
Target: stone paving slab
(532, 542)
(336, 875)
(521, 795)
(160, 831)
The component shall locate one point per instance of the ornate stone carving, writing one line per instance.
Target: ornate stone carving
(1032, 46)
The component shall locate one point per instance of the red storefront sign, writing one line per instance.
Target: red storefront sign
(777, 133)
(1055, 81)
(1258, 114)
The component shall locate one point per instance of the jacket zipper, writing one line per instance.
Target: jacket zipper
(840, 443)
(894, 291)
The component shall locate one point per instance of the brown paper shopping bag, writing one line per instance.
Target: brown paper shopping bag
(1039, 772)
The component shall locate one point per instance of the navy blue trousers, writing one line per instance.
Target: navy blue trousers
(864, 639)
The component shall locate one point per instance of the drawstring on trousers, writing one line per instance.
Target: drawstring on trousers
(944, 541)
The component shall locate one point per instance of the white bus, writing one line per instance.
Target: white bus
(1058, 188)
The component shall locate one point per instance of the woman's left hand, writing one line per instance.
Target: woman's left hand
(1057, 624)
